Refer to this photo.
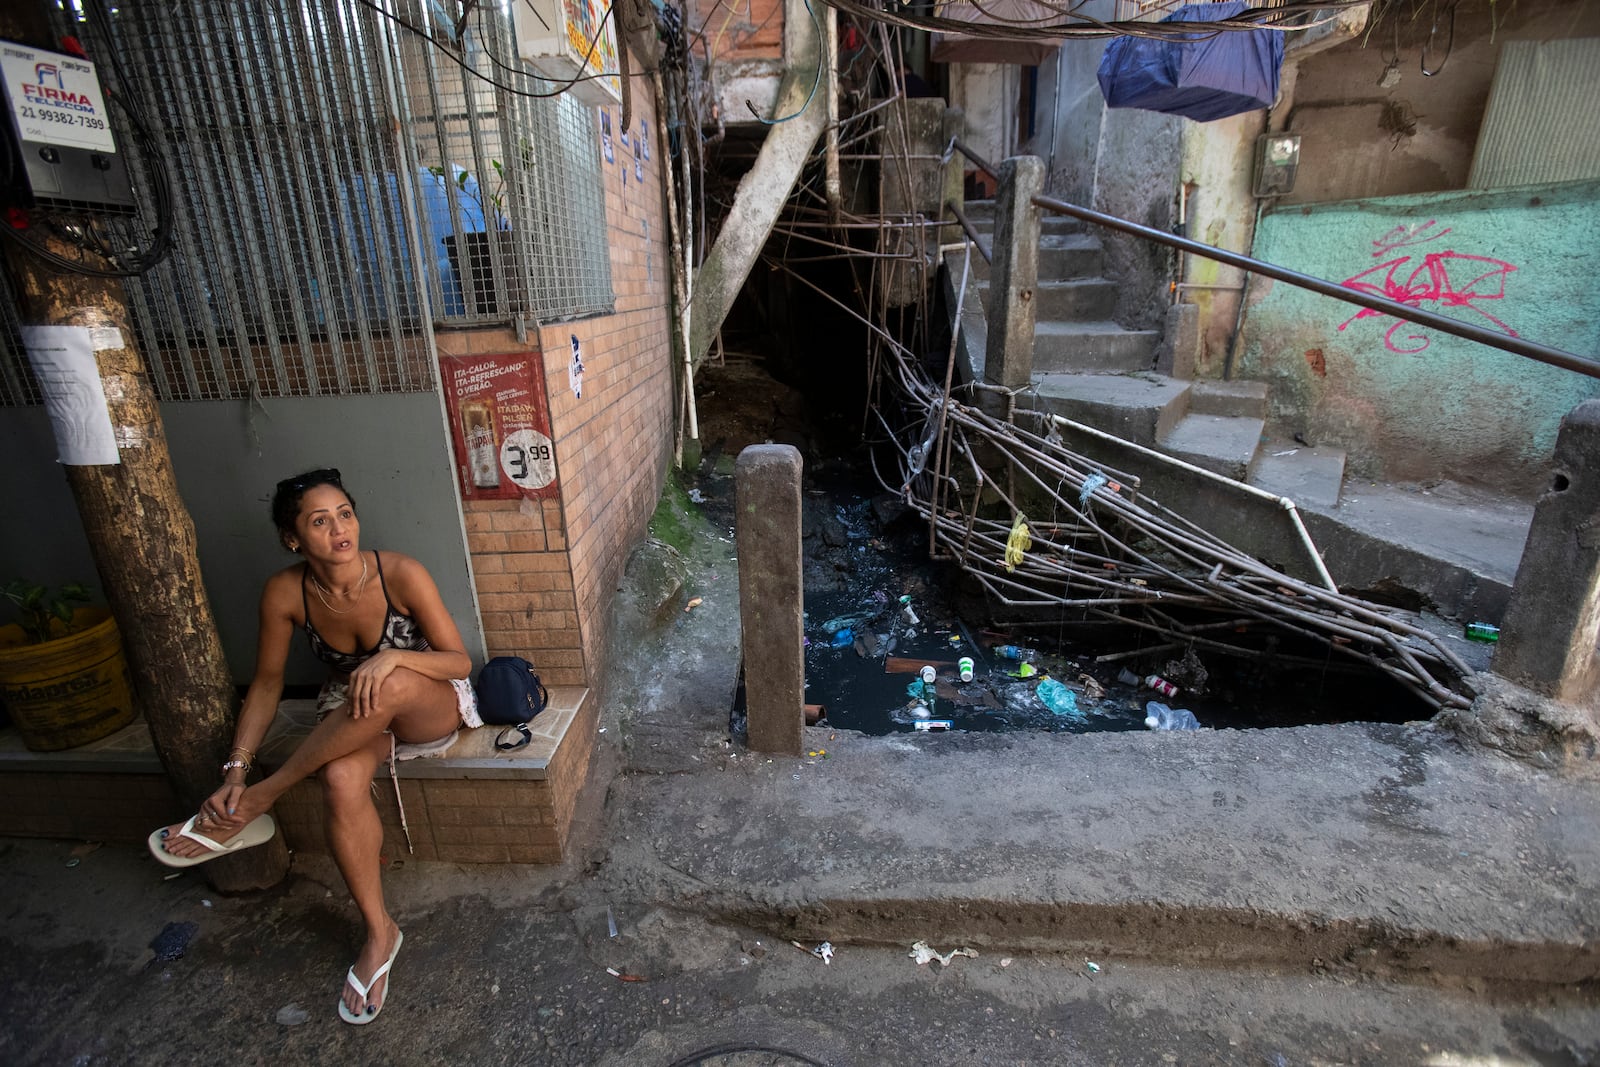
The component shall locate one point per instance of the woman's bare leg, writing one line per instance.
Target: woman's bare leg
(355, 835)
(415, 707)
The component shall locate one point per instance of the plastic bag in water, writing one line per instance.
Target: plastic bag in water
(1058, 698)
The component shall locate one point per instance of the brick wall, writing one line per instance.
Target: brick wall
(546, 571)
(751, 30)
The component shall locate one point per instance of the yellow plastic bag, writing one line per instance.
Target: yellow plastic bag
(1018, 543)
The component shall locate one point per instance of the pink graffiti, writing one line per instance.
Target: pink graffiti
(1429, 282)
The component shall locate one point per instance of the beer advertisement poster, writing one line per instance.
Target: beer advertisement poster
(500, 426)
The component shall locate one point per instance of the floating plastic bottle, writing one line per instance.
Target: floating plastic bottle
(1158, 716)
(1161, 685)
(1058, 698)
(1483, 631)
(929, 675)
(1024, 655)
(964, 668)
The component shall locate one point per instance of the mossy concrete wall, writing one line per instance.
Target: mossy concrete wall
(1414, 404)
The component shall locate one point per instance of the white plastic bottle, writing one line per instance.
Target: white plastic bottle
(1157, 716)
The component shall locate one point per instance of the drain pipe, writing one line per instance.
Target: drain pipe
(1261, 494)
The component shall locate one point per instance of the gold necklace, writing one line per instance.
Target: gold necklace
(361, 587)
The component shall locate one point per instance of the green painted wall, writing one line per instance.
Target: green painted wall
(1414, 404)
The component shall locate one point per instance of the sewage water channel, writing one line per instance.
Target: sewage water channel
(867, 571)
(877, 611)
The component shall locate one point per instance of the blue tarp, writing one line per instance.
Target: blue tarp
(1199, 77)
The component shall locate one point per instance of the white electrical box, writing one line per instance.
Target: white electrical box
(59, 135)
(559, 38)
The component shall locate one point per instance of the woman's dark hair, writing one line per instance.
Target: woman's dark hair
(286, 500)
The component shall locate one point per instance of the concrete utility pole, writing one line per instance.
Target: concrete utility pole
(140, 532)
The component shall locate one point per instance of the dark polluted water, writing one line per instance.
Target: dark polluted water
(877, 611)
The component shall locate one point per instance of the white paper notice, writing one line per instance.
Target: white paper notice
(63, 362)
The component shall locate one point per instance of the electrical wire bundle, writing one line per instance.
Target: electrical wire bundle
(128, 245)
(1068, 21)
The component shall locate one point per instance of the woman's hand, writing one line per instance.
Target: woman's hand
(367, 679)
(217, 811)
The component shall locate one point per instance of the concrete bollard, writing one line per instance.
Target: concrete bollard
(767, 499)
(1551, 627)
(1014, 273)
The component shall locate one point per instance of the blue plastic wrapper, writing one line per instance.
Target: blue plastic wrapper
(1199, 77)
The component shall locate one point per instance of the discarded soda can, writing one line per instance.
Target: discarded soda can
(964, 668)
(929, 675)
(1161, 685)
(1482, 631)
(934, 725)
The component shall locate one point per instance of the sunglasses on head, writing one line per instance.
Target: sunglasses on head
(325, 476)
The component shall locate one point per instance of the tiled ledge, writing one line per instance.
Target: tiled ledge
(472, 805)
(472, 756)
(128, 751)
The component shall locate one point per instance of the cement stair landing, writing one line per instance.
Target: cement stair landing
(1445, 548)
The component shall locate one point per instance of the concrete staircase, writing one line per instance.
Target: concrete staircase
(1091, 369)
(1458, 550)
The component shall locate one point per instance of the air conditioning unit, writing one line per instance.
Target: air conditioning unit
(564, 39)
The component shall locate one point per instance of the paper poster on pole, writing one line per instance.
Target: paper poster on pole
(500, 426)
(69, 377)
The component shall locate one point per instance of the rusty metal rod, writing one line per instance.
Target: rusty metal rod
(971, 231)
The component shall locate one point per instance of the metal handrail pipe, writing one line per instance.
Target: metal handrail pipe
(1555, 357)
(972, 234)
(983, 164)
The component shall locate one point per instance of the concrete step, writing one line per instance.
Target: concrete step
(1224, 444)
(1310, 477)
(1139, 407)
(1097, 347)
(1086, 299)
(1238, 398)
(1062, 257)
(981, 214)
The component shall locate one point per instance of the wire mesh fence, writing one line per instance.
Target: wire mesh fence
(345, 175)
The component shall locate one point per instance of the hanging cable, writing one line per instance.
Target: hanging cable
(822, 60)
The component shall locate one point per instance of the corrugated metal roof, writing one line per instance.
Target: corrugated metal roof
(1542, 123)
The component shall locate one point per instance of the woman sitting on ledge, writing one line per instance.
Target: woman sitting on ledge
(405, 682)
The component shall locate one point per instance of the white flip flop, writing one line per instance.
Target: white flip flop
(257, 831)
(355, 983)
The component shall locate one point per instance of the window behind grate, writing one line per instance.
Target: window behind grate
(341, 185)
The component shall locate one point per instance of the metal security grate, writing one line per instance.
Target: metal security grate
(341, 184)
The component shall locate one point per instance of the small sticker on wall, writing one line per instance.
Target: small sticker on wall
(644, 138)
(575, 368)
(605, 134)
(638, 171)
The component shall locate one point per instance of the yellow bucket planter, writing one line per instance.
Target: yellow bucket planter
(70, 690)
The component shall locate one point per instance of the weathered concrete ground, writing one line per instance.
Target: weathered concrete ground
(1355, 894)
(1330, 895)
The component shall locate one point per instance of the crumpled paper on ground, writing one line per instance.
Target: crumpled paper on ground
(922, 953)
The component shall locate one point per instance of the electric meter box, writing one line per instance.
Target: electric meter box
(559, 39)
(1277, 163)
(58, 130)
